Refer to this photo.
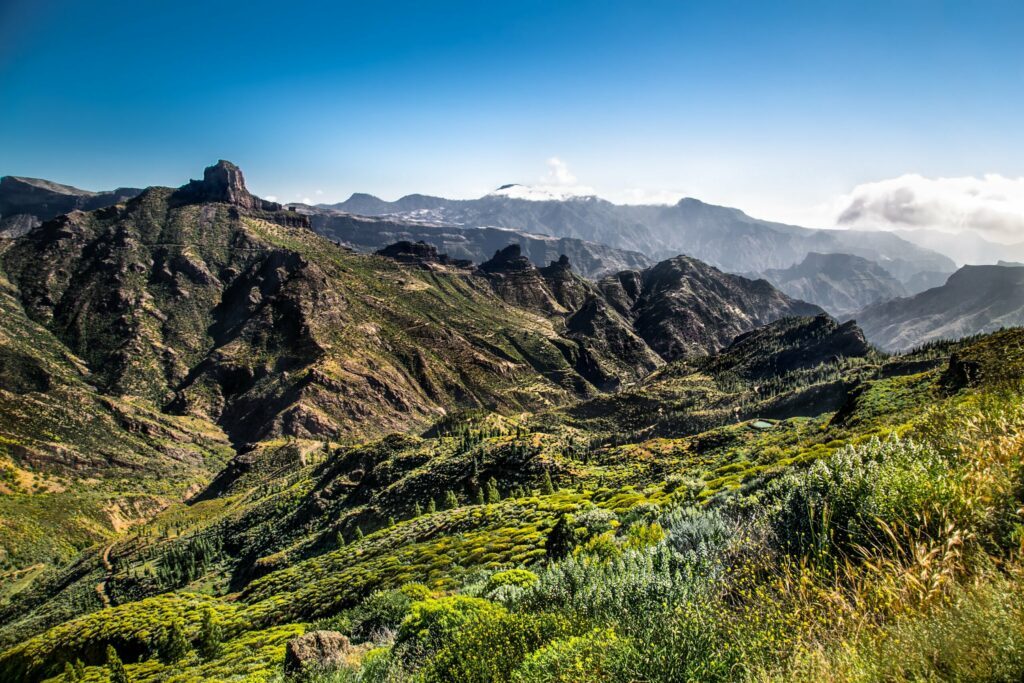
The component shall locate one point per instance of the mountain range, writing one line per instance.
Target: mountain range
(723, 237)
(232, 447)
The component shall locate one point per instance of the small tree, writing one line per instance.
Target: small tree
(339, 540)
(478, 497)
(174, 645)
(115, 667)
(431, 507)
(493, 495)
(391, 521)
(547, 488)
(359, 533)
(210, 636)
(417, 511)
(450, 501)
(70, 675)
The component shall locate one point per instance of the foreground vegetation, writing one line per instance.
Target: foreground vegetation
(881, 542)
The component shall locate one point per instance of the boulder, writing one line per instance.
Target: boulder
(316, 650)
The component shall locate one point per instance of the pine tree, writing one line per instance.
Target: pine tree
(431, 507)
(209, 643)
(561, 539)
(493, 495)
(547, 488)
(417, 511)
(391, 521)
(450, 501)
(339, 540)
(359, 534)
(115, 667)
(478, 496)
(174, 645)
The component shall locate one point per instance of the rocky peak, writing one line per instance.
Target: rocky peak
(560, 268)
(568, 288)
(420, 253)
(224, 182)
(507, 260)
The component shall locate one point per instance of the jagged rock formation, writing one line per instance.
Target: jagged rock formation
(209, 302)
(683, 306)
(224, 183)
(840, 283)
(974, 299)
(516, 280)
(790, 345)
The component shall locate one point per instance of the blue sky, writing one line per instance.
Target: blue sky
(779, 108)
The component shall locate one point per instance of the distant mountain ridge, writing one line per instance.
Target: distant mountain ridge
(26, 202)
(842, 284)
(365, 233)
(724, 237)
(975, 299)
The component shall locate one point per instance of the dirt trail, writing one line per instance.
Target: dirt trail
(101, 587)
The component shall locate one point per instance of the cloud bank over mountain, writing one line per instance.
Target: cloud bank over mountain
(992, 205)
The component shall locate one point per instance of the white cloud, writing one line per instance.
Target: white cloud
(307, 200)
(558, 173)
(992, 205)
(318, 193)
(271, 198)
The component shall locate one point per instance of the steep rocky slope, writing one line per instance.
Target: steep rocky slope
(210, 302)
(840, 283)
(683, 306)
(974, 299)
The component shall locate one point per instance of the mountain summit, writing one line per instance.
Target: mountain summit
(224, 182)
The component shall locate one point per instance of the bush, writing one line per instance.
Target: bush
(432, 622)
(521, 578)
(578, 659)
(491, 646)
(840, 503)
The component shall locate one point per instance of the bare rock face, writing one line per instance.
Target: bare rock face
(316, 650)
(224, 182)
(516, 280)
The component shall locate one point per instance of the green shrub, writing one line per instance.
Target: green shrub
(490, 647)
(579, 659)
(432, 622)
(521, 578)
